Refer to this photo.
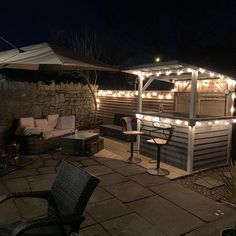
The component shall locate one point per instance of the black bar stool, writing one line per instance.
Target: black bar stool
(160, 136)
(128, 130)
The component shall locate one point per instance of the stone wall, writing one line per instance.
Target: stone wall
(23, 99)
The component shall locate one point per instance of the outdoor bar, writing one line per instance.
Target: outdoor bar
(203, 115)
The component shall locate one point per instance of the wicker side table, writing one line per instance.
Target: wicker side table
(75, 144)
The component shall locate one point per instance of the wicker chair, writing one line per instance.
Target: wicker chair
(67, 200)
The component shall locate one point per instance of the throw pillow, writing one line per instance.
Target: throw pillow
(42, 125)
(66, 122)
(52, 120)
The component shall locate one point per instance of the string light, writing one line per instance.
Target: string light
(201, 70)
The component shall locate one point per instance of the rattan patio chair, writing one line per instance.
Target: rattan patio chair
(67, 200)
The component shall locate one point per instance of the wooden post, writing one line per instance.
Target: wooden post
(191, 134)
(192, 115)
(140, 105)
(193, 95)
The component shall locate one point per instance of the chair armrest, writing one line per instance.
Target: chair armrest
(73, 220)
(36, 194)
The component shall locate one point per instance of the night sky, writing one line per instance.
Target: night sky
(131, 32)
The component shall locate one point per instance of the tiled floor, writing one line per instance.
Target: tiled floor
(128, 201)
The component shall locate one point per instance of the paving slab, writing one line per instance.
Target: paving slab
(46, 170)
(214, 228)
(89, 162)
(149, 180)
(87, 221)
(113, 164)
(131, 225)
(41, 182)
(167, 217)
(128, 191)
(76, 158)
(99, 195)
(98, 170)
(8, 213)
(58, 155)
(17, 185)
(30, 208)
(108, 209)
(21, 173)
(113, 178)
(46, 156)
(3, 189)
(108, 155)
(53, 163)
(76, 163)
(35, 164)
(131, 170)
(94, 230)
(209, 182)
(199, 205)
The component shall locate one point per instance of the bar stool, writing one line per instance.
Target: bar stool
(160, 136)
(128, 130)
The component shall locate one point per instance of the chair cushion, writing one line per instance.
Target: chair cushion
(42, 125)
(6, 230)
(52, 120)
(66, 122)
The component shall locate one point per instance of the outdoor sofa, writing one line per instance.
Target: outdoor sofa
(41, 135)
(116, 129)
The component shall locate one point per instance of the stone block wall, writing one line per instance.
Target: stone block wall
(24, 99)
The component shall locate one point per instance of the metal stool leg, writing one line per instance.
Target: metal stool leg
(158, 170)
(132, 159)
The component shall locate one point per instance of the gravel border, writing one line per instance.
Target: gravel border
(219, 194)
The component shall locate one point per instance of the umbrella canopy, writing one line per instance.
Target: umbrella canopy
(48, 57)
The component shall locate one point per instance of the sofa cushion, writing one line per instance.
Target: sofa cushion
(52, 120)
(42, 125)
(66, 122)
(56, 133)
(23, 123)
(27, 131)
(26, 122)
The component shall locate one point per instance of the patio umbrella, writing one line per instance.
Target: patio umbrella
(46, 57)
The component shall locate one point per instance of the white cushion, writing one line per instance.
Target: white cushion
(26, 122)
(56, 133)
(52, 120)
(66, 122)
(42, 125)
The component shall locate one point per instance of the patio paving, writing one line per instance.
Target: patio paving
(127, 201)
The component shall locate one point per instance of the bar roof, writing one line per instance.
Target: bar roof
(172, 70)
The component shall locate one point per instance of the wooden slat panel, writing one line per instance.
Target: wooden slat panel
(210, 150)
(109, 105)
(211, 140)
(211, 134)
(210, 146)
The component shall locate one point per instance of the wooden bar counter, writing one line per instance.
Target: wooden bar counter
(196, 144)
